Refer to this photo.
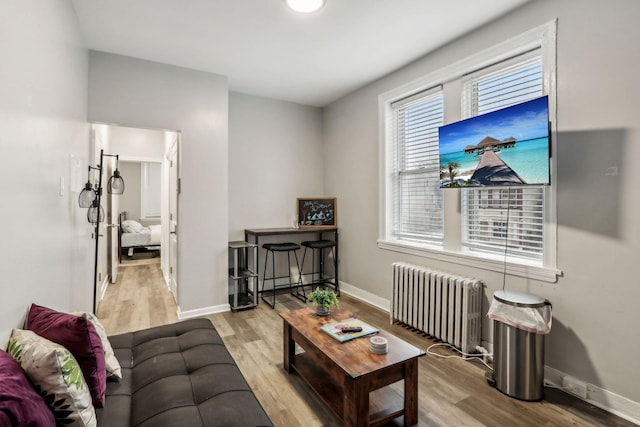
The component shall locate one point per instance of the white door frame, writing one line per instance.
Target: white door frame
(172, 275)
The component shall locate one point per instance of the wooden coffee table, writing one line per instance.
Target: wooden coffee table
(351, 380)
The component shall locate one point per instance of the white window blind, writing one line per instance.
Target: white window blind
(488, 213)
(150, 190)
(418, 211)
(506, 220)
(503, 84)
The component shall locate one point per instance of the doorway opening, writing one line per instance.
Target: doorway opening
(143, 220)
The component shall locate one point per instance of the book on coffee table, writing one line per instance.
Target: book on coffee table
(335, 329)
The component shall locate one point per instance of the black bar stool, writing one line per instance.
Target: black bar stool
(322, 279)
(272, 248)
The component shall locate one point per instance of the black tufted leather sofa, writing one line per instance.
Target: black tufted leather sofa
(178, 375)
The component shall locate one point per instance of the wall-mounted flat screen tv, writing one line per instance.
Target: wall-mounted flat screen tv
(504, 147)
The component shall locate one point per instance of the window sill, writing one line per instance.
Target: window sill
(535, 272)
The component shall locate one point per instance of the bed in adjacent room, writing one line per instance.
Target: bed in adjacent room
(134, 235)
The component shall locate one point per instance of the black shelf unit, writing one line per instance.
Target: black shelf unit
(243, 276)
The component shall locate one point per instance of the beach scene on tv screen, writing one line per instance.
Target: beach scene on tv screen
(505, 147)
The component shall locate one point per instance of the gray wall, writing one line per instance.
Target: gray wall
(275, 156)
(46, 245)
(137, 93)
(130, 200)
(595, 301)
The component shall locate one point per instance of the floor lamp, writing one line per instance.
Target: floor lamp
(90, 197)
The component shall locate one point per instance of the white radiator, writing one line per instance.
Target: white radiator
(442, 305)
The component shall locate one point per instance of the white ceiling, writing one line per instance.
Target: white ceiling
(265, 49)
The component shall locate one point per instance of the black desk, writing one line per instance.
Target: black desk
(257, 233)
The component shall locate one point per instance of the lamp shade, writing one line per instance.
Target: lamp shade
(116, 183)
(87, 196)
(95, 213)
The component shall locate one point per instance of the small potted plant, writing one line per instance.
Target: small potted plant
(323, 299)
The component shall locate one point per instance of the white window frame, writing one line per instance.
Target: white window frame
(543, 38)
(487, 243)
(411, 227)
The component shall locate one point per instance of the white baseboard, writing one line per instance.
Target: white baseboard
(604, 399)
(368, 297)
(188, 314)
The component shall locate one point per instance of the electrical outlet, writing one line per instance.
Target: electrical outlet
(574, 386)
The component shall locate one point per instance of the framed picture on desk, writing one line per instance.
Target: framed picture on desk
(317, 212)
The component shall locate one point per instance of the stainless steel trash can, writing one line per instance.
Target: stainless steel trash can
(518, 355)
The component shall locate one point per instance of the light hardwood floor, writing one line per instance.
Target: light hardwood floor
(452, 392)
(139, 299)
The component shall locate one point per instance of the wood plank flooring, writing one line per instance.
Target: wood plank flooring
(139, 299)
(452, 392)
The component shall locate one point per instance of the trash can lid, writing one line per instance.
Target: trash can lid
(519, 299)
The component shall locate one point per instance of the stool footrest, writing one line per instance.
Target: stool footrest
(319, 277)
(286, 247)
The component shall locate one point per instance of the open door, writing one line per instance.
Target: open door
(174, 193)
(113, 228)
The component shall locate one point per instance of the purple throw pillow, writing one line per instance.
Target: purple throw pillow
(20, 404)
(79, 336)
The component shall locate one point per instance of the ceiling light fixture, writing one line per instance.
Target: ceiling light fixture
(305, 6)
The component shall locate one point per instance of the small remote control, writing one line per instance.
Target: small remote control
(350, 329)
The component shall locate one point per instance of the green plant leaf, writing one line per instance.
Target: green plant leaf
(15, 349)
(323, 297)
(71, 371)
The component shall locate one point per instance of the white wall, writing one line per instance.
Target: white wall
(595, 302)
(46, 247)
(137, 93)
(275, 156)
(137, 144)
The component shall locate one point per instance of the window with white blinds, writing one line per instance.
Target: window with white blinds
(417, 207)
(506, 220)
(486, 228)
